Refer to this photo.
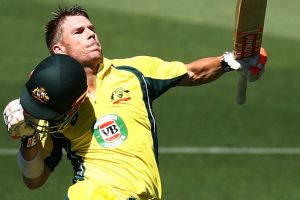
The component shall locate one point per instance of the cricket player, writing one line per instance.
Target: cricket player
(111, 140)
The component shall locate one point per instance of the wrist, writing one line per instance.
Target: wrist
(228, 63)
(29, 153)
(30, 141)
(225, 66)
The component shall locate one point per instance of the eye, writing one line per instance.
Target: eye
(79, 31)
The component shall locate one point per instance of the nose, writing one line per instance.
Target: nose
(91, 36)
(90, 33)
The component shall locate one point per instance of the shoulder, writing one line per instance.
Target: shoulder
(151, 66)
(136, 61)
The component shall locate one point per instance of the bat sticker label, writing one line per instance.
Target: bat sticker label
(248, 43)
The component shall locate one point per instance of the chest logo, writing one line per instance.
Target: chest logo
(110, 131)
(119, 95)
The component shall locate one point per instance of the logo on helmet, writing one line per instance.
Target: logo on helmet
(40, 94)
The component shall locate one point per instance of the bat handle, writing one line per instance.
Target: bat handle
(242, 89)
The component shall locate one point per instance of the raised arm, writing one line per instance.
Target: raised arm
(203, 71)
(209, 69)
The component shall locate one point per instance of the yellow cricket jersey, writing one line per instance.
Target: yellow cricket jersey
(113, 137)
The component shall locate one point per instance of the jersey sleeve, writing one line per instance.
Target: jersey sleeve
(160, 75)
(51, 150)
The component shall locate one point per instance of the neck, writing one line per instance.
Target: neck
(91, 75)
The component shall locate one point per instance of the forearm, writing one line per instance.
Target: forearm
(202, 71)
(37, 182)
(29, 153)
(31, 164)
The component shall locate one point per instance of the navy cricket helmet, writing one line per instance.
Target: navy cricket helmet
(53, 93)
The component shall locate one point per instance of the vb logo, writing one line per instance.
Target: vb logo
(110, 131)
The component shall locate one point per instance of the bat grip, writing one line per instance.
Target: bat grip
(242, 89)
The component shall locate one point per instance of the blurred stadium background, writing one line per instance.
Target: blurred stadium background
(202, 117)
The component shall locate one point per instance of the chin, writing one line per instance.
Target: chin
(95, 61)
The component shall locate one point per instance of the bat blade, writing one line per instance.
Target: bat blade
(248, 32)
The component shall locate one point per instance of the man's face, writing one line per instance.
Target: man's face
(80, 41)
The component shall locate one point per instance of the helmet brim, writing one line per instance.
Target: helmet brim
(35, 108)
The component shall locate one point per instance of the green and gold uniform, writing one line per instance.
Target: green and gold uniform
(112, 141)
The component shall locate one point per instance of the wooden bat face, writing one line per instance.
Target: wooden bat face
(249, 24)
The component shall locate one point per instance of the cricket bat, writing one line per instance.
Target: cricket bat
(248, 32)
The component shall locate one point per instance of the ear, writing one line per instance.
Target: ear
(58, 49)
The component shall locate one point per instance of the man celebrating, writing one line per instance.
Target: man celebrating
(112, 140)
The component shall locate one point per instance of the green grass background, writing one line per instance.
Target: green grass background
(201, 116)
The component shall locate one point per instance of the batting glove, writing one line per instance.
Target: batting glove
(252, 67)
(13, 115)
